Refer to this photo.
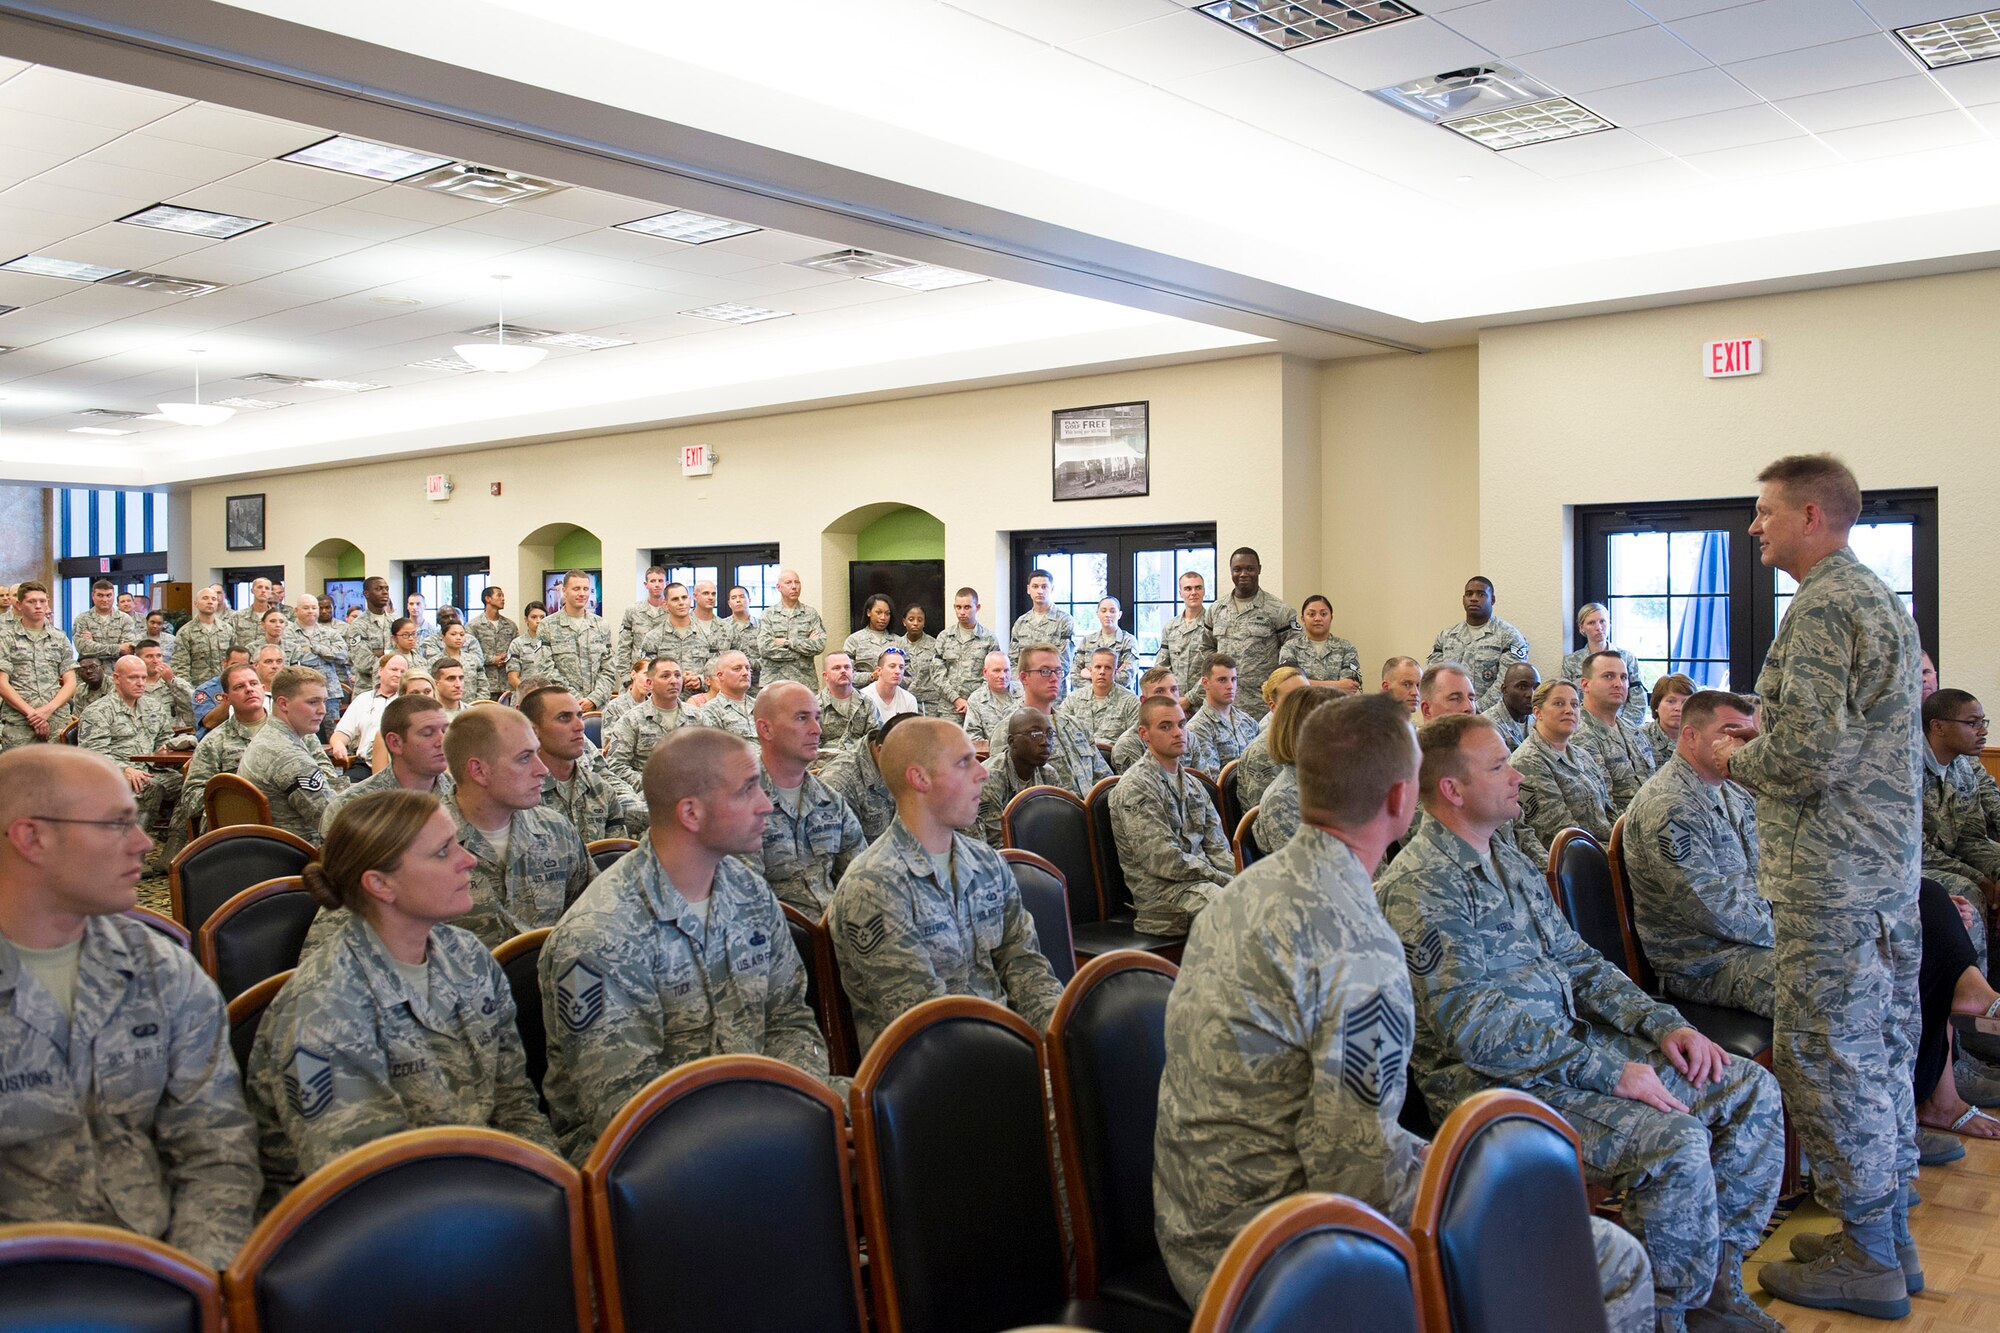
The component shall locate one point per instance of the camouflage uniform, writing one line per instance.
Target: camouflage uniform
(87, 694)
(528, 659)
(854, 775)
(1254, 631)
(1227, 734)
(1287, 1037)
(126, 1111)
(1507, 995)
(986, 714)
(1199, 753)
(865, 646)
(248, 625)
(1255, 771)
(294, 774)
(118, 730)
(842, 722)
(961, 658)
(496, 638)
(619, 707)
(200, 649)
(1124, 666)
(98, 635)
(693, 649)
(35, 663)
(1636, 709)
(1957, 852)
(736, 636)
(1074, 759)
(1836, 772)
(547, 867)
(598, 802)
(1171, 845)
(1968, 776)
(1055, 630)
(1691, 861)
(631, 740)
(1333, 658)
(804, 855)
(1511, 732)
(1622, 752)
(325, 651)
(350, 1051)
(1278, 816)
(578, 656)
(176, 696)
(903, 937)
(382, 780)
(1486, 652)
(731, 715)
(923, 675)
(1003, 784)
(469, 655)
(1563, 789)
(1658, 741)
(634, 983)
(219, 752)
(1185, 647)
(634, 627)
(1106, 718)
(794, 661)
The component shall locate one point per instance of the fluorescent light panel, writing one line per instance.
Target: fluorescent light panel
(192, 221)
(1958, 41)
(340, 386)
(588, 342)
(688, 228)
(442, 363)
(360, 157)
(44, 267)
(250, 404)
(163, 283)
(1537, 122)
(732, 312)
(98, 430)
(1288, 23)
(924, 277)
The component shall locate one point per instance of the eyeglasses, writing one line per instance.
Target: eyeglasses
(1976, 723)
(1035, 733)
(121, 826)
(1041, 671)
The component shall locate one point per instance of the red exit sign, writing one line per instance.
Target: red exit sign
(1731, 357)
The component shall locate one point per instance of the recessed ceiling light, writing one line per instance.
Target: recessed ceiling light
(395, 300)
(250, 404)
(1537, 122)
(588, 342)
(924, 277)
(359, 157)
(1956, 41)
(454, 363)
(99, 430)
(44, 267)
(340, 386)
(1288, 23)
(732, 312)
(853, 263)
(1458, 93)
(162, 283)
(690, 228)
(192, 221)
(268, 377)
(486, 185)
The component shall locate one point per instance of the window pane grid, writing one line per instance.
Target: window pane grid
(1888, 548)
(1669, 603)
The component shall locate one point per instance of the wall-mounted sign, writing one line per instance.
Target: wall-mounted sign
(1731, 357)
(437, 486)
(697, 460)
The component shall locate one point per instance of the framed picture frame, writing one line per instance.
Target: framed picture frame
(1100, 453)
(243, 522)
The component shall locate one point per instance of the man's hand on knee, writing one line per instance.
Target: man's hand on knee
(1641, 1083)
(1698, 1059)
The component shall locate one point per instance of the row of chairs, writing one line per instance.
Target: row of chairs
(736, 1159)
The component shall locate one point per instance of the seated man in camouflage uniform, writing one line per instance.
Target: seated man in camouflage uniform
(126, 723)
(412, 732)
(1514, 711)
(1074, 759)
(1401, 678)
(1451, 695)
(1018, 763)
(1960, 852)
(1289, 1030)
(1125, 752)
(1225, 730)
(119, 1101)
(285, 760)
(1618, 742)
(729, 707)
(597, 801)
(679, 951)
(811, 835)
(630, 741)
(986, 709)
(927, 911)
(1508, 995)
(1168, 832)
(844, 715)
(857, 776)
(220, 751)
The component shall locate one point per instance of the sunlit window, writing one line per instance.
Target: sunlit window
(1890, 549)
(1669, 603)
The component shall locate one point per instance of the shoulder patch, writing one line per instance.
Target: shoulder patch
(312, 782)
(309, 1082)
(1677, 840)
(579, 997)
(1374, 1049)
(867, 936)
(1425, 955)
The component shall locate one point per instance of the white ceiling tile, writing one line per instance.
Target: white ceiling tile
(773, 247)
(1510, 27)
(149, 152)
(1719, 130)
(595, 207)
(618, 245)
(18, 164)
(708, 259)
(1589, 152)
(1674, 98)
(1919, 134)
(1818, 69)
(787, 278)
(1767, 27)
(295, 180)
(356, 225)
(842, 296)
(51, 134)
(1397, 53)
(121, 182)
(1171, 47)
(232, 131)
(87, 207)
(1626, 57)
(1623, 187)
(452, 245)
(1845, 108)
(1061, 22)
(229, 198)
(142, 247)
(1779, 158)
(418, 204)
(513, 224)
(92, 101)
(1974, 84)
(9, 68)
(1903, 13)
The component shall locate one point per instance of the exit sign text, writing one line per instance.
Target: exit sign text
(1732, 356)
(697, 460)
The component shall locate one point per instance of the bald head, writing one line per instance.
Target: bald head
(688, 763)
(921, 742)
(779, 698)
(51, 780)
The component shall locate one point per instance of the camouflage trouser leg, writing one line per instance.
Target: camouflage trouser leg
(1692, 1181)
(1747, 979)
(1845, 1048)
(1625, 1276)
(160, 798)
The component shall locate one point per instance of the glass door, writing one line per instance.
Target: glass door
(1141, 567)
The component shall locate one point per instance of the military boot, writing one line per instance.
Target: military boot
(1841, 1278)
(1810, 1245)
(1729, 1308)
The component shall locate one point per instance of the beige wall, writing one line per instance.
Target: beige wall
(1895, 377)
(25, 542)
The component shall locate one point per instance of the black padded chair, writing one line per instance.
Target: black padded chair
(223, 862)
(1116, 930)
(1214, 790)
(801, 927)
(1244, 844)
(957, 1194)
(608, 852)
(699, 1156)
(165, 926)
(1315, 1263)
(441, 1230)
(1107, 1049)
(520, 958)
(1225, 786)
(1501, 1223)
(823, 989)
(246, 1015)
(1046, 899)
(593, 730)
(62, 1276)
(1054, 825)
(257, 934)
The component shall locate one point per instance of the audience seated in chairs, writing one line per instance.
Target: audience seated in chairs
(1169, 834)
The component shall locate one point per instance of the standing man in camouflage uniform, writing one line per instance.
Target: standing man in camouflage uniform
(325, 649)
(844, 715)
(1508, 995)
(578, 647)
(1169, 836)
(1691, 858)
(987, 708)
(927, 911)
(790, 635)
(1290, 1027)
(810, 835)
(1617, 742)
(962, 650)
(496, 635)
(678, 951)
(1251, 626)
(1513, 712)
(368, 633)
(738, 630)
(642, 618)
(1224, 727)
(1042, 626)
(104, 632)
(1482, 641)
(683, 638)
(1104, 707)
(248, 622)
(1836, 772)
(204, 641)
(126, 723)
(629, 743)
(37, 673)
(221, 750)
(121, 1101)
(285, 760)
(598, 802)
(1185, 641)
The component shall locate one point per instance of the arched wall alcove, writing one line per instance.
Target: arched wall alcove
(557, 546)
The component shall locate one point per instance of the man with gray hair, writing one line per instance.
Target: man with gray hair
(811, 834)
(125, 723)
(729, 707)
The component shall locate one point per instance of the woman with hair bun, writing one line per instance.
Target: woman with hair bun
(401, 1021)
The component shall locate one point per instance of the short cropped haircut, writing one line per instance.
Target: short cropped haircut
(26, 586)
(1151, 708)
(1034, 650)
(1938, 708)
(535, 703)
(1042, 574)
(102, 585)
(403, 712)
(1217, 660)
(1819, 479)
(569, 574)
(292, 679)
(1667, 686)
(881, 733)
(535, 606)
(687, 763)
(475, 734)
(1427, 683)
(1290, 717)
(1702, 705)
(1395, 664)
(1349, 757)
(973, 593)
(1443, 746)
(1250, 551)
(231, 670)
(1153, 676)
(1481, 578)
(1591, 661)
(444, 664)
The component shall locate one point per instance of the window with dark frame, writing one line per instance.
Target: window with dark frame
(1141, 567)
(754, 567)
(125, 529)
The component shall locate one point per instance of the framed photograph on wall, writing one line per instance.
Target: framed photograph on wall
(1100, 452)
(243, 522)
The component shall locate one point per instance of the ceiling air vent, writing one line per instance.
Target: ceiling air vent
(162, 283)
(487, 185)
(854, 263)
(107, 414)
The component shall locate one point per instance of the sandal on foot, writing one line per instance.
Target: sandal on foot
(1973, 1113)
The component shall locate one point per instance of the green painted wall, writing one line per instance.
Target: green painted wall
(353, 564)
(902, 534)
(582, 550)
